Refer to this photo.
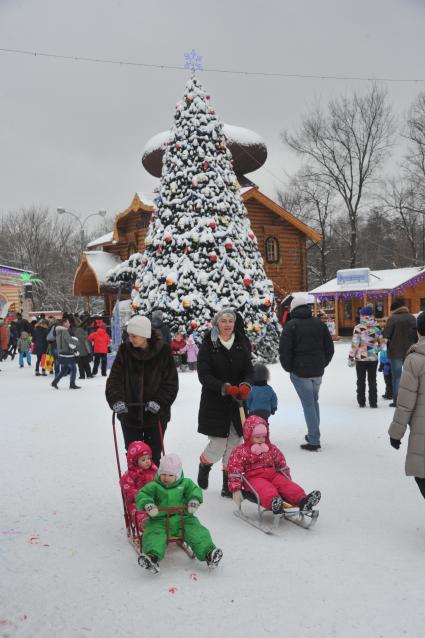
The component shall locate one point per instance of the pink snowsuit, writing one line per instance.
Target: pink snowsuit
(135, 478)
(261, 470)
(191, 350)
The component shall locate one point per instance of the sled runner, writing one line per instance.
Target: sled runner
(305, 519)
(134, 532)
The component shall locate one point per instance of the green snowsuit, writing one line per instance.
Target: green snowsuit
(154, 539)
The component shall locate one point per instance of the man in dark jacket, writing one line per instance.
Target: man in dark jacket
(400, 331)
(159, 325)
(143, 372)
(305, 349)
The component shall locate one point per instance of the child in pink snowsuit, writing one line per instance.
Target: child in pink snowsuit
(191, 350)
(264, 466)
(140, 471)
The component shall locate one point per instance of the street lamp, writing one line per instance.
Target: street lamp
(63, 211)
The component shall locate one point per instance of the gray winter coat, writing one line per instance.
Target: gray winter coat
(411, 409)
(84, 346)
(66, 344)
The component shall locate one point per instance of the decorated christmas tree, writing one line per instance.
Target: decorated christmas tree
(201, 253)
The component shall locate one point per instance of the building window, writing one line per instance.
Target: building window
(132, 248)
(143, 222)
(422, 304)
(272, 250)
(348, 310)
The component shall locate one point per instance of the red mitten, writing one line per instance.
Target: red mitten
(244, 390)
(232, 391)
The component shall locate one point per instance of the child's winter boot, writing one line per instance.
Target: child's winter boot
(149, 562)
(277, 505)
(214, 557)
(203, 474)
(225, 489)
(309, 501)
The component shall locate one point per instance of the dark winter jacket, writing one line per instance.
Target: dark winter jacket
(84, 345)
(306, 346)
(400, 330)
(140, 376)
(40, 339)
(22, 325)
(163, 329)
(262, 397)
(217, 366)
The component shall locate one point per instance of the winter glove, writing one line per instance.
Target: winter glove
(232, 391)
(351, 363)
(152, 406)
(120, 407)
(192, 506)
(395, 443)
(237, 498)
(151, 509)
(244, 390)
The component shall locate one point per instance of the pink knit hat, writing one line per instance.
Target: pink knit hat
(259, 430)
(170, 464)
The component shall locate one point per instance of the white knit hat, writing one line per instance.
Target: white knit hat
(140, 326)
(170, 464)
(300, 299)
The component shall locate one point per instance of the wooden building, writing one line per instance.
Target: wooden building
(281, 240)
(342, 301)
(12, 291)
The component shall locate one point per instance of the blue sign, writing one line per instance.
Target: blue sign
(350, 276)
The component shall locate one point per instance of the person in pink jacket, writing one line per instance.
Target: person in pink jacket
(264, 466)
(141, 470)
(191, 350)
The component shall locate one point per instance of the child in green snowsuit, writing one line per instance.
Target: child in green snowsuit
(171, 489)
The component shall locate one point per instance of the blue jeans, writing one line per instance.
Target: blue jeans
(396, 368)
(21, 358)
(68, 364)
(308, 391)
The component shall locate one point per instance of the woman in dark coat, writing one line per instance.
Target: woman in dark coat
(40, 344)
(143, 372)
(225, 372)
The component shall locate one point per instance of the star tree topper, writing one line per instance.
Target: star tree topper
(193, 61)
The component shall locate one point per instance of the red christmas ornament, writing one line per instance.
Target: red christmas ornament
(178, 145)
(186, 249)
(267, 303)
(213, 257)
(194, 325)
(212, 224)
(228, 245)
(205, 165)
(251, 234)
(168, 239)
(247, 281)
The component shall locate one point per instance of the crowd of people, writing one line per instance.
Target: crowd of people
(236, 403)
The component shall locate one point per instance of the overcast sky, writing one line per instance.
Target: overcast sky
(71, 133)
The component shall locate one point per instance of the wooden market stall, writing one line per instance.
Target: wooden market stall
(342, 297)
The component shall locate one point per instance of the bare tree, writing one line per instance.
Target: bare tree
(345, 149)
(414, 163)
(313, 201)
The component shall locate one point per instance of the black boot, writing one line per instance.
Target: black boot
(203, 474)
(225, 489)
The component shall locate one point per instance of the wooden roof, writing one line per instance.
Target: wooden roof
(255, 193)
(136, 205)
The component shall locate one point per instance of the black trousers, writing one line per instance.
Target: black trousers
(363, 369)
(421, 484)
(100, 358)
(84, 366)
(388, 378)
(151, 436)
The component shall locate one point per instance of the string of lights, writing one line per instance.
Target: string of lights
(242, 72)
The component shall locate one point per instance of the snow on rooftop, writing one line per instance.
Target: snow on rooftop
(104, 239)
(378, 280)
(146, 198)
(101, 263)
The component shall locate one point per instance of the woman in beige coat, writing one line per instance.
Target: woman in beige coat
(411, 408)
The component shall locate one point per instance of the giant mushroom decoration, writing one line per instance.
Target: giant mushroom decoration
(248, 149)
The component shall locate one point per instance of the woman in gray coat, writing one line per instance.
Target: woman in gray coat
(411, 408)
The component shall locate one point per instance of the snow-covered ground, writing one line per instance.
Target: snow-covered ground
(67, 570)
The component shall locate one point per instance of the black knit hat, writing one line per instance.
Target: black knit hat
(420, 324)
(261, 373)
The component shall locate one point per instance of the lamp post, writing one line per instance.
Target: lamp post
(63, 211)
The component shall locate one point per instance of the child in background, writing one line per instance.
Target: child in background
(262, 400)
(171, 489)
(264, 466)
(141, 470)
(101, 341)
(24, 347)
(191, 350)
(385, 367)
(178, 345)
